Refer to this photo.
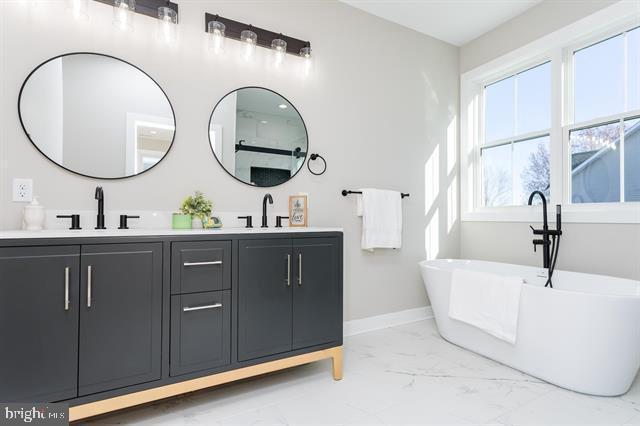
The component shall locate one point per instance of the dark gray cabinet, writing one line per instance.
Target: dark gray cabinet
(290, 295)
(317, 293)
(120, 315)
(85, 318)
(200, 331)
(39, 323)
(264, 298)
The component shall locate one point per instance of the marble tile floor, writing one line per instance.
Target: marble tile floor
(404, 375)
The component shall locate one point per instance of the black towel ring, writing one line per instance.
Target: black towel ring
(315, 157)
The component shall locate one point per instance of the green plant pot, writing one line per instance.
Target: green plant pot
(181, 221)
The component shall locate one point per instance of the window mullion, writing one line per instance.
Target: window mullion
(556, 139)
(625, 72)
(622, 191)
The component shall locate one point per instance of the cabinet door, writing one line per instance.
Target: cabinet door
(120, 316)
(39, 323)
(317, 292)
(200, 331)
(264, 298)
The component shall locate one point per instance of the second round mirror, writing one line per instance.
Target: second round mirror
(258, 136)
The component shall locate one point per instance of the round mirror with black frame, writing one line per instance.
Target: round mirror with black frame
(96, 115)
(258, 136)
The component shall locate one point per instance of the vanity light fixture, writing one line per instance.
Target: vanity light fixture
(123, 11)
(280, 48)
(252, 36)
(216, 29)
(250, 39)
(282, 106)
(168, 22)
(79, 9)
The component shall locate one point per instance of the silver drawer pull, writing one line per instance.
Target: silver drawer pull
(66, 288)
(199, 308)
(89, 286)
(299, 269)
(213, 262)
(288, 279)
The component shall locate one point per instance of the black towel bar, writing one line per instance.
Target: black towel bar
(346, 192)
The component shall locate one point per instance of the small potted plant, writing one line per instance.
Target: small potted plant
(195, 210)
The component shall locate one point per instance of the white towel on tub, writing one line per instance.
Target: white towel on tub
(488, 301)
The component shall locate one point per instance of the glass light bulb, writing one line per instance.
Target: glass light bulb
(168, 24)
(216, 29)
(123, 11)
(250, 39)
(280, 47)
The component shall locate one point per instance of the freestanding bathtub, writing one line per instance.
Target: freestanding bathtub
(583, 335)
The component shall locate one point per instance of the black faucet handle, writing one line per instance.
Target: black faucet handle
(279, 220)
(123, 221)
(249, 220)
(75, 220)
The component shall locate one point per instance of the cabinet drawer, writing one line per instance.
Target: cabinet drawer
(200, 331)
(200, 266)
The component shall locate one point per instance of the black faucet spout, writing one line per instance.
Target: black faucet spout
(266, 198)
(100, 217)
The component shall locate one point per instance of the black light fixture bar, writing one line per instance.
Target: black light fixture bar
(148, 7)
(265, 37)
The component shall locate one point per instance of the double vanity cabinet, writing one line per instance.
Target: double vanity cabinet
(105, 320)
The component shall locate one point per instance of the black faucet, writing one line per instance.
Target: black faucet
(549, 247)
(266, 198)
(100, 217)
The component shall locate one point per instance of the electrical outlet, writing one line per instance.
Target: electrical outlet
(22, 190)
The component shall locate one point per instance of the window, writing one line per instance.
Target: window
(561, 116)
(606, 91)
(515, 153)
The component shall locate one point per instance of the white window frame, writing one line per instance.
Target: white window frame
(557, 47)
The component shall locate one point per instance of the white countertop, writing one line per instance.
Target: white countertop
(87, 233)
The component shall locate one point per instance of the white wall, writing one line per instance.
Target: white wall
(382, 110)
(610, 249)
(540, 20)
(224, 121)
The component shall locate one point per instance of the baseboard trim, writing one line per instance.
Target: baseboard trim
(378, 322)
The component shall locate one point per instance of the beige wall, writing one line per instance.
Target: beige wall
(609, 249)
(377, 103)
(540, 20)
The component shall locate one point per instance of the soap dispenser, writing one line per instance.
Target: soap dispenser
(33, 216)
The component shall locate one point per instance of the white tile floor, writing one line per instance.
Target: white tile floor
(402, 375)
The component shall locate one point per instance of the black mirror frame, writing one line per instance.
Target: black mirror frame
(117, 59)
(220, 162)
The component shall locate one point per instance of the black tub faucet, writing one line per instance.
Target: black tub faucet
(100, 217)
(266, 198)
(549, 248)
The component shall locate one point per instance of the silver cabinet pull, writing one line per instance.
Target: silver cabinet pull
(213, 262)
(199, 308)
(299, 269)
(66, 288)
(89, 286)
(288, 280)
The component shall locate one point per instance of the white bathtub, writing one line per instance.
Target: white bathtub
(583, 335)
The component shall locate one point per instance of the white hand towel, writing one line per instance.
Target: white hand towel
(488, 301)
(381, 219)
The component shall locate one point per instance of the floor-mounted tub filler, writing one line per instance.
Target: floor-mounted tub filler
(582, 335)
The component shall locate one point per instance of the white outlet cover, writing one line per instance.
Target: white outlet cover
(22, 190)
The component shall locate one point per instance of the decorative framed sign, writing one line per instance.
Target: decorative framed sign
(298, 214)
